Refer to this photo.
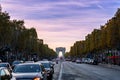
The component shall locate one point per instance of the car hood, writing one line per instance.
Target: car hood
(28, 75)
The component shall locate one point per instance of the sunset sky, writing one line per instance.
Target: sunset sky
(60, 23)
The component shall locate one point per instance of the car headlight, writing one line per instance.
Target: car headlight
(36, 78)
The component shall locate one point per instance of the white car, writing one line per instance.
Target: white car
(78, 61)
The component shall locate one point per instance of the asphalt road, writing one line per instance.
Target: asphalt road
(73, 71)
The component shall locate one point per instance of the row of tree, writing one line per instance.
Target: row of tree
(19, 39)
(100, 40)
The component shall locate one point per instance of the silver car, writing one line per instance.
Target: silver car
(29, 71)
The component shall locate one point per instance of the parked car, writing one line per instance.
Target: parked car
(5, 74)
(85, 60)
(91, 61)
(29, 71)
(78, 61)
(7, 65)
(95, 62)
(73, 60)
(49, 69)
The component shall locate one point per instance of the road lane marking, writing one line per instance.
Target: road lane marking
(60, 74)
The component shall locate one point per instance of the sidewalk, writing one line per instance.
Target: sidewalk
(110, 66)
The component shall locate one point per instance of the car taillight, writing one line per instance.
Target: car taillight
(36, 78)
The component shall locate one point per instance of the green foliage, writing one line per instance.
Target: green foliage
(20, 39)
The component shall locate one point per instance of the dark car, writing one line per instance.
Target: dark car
(5, 74)
(52, 65)
(7, 65)
(95, 62)
(29, 71)
(49, 68)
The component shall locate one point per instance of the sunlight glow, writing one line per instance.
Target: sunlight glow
(60, 54)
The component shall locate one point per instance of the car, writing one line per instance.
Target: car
(7, 65)
(49, 68)
(78, 61)
(54, 61)
(85, 60)
(73, 60)
(52, 65)
(5, 74)
(29, 71)
(45, 60)
(95, 62)
(16, 63)
(91, 61)
(29, 61)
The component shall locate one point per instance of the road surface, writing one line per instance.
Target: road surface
(73, 71)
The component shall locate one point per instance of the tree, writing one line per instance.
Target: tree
(105, 38)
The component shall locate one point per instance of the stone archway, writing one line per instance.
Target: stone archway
(60, 49)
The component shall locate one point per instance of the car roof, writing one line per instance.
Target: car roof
(4, 63)
(29, 61)
(44, 61)
(18, 61)
(30, 64)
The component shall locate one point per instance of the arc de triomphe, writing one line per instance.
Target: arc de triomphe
(60, 49)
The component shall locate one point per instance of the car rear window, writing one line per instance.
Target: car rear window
(3, 65)
(46, 65)
(27, 68)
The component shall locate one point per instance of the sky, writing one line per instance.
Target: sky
(60, 23)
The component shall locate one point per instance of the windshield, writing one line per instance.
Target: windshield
(27, 68)
(17, 62)
(3, 65)
(46, 65)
